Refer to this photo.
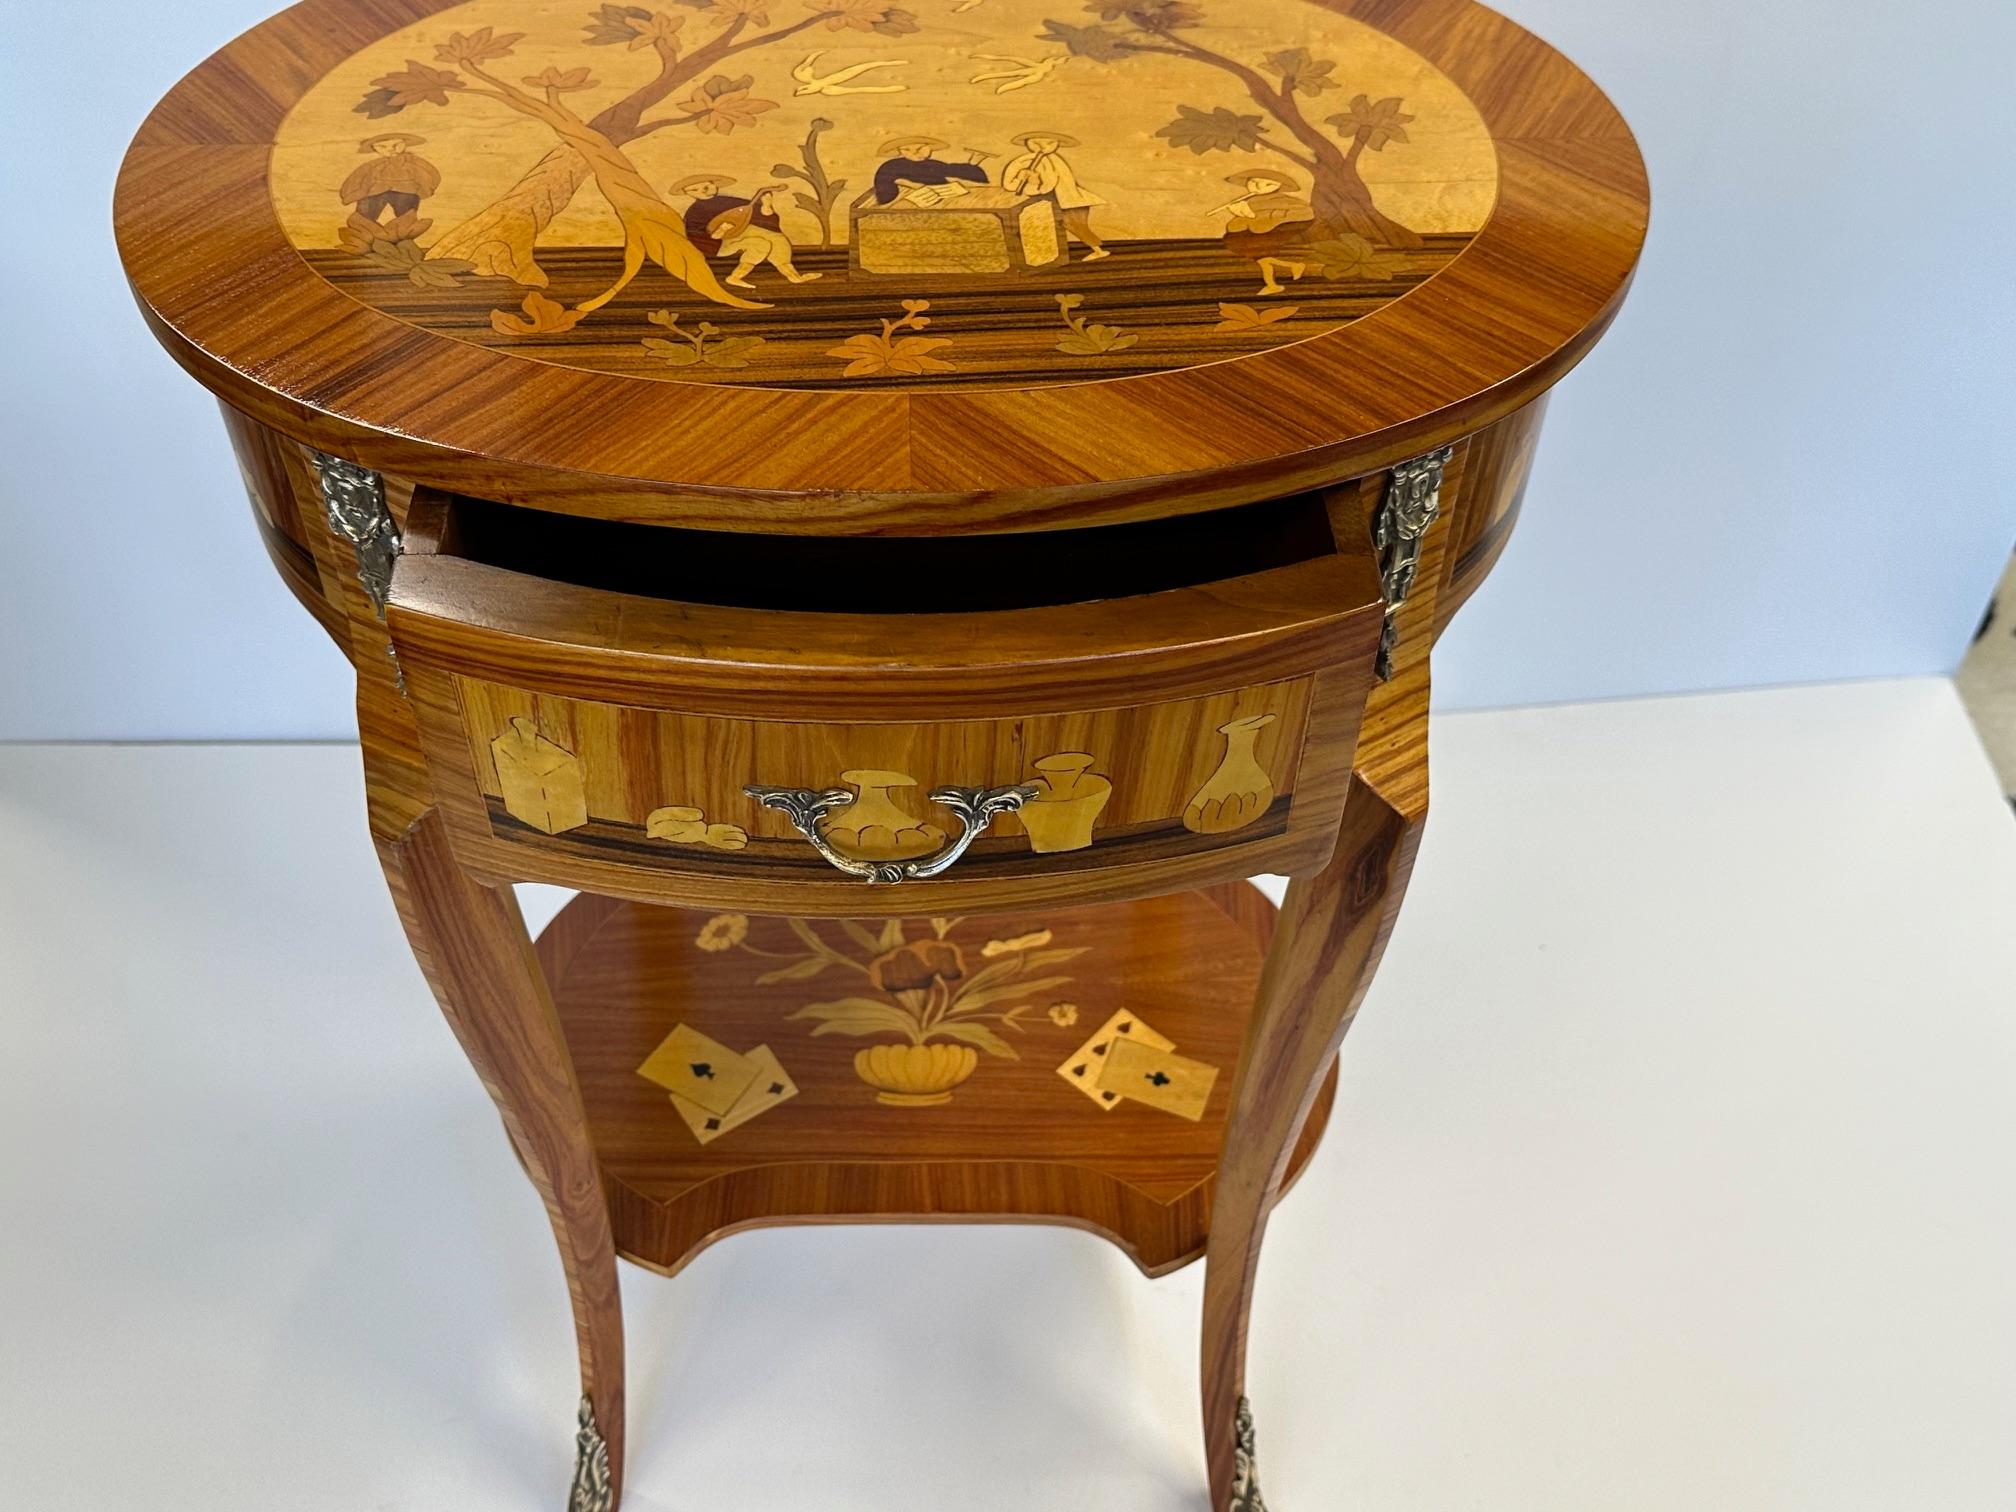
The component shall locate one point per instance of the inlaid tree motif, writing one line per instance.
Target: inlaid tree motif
(502, 238)
(821, 192)
(1279, 86)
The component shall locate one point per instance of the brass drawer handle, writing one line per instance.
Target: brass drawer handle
(976, 808)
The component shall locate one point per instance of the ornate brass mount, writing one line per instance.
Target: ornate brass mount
(975, 807)
(353, 497)
(1413, 501)
(1245, 1464)
(593, 1489)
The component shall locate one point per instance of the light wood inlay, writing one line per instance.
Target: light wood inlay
(453, 402)
(1010, 1139)
(1035, 453)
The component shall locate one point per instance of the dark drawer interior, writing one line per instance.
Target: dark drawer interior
(889, 574)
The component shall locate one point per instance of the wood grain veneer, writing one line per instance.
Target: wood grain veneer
(1013, 1142)
(241, 309)
(621, 599)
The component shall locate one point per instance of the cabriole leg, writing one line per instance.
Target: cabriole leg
(472, 944)
(1334, 926)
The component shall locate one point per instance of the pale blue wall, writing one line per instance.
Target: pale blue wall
(1790, 461)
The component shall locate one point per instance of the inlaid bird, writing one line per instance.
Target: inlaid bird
(1019, 73)
(810, 83)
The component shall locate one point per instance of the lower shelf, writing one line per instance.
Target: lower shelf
(998, 1118)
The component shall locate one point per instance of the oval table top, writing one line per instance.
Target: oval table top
(860, 267)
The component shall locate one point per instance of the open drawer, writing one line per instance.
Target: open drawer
(1170, 704)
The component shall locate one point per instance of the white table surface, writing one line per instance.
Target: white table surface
(1673, 1170)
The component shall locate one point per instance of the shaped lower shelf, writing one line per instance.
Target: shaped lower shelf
(996, 1117)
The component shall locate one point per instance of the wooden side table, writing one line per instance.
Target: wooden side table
(907, 657)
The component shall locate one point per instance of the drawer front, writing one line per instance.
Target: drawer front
(1161, 779)
(654, 804)
(610, 741)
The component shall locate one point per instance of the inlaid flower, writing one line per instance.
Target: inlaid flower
(918, 967)
(1033, 941)
(1063, 1015)
(723, 932)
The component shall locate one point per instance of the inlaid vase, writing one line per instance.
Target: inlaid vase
(874, 826)
(915, 1076)
(1240, 790)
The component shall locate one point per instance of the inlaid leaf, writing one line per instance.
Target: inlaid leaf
(396, 257)
(415, 83)
(1349, 256)
(438, 272)
(359, 232)
(864, 15)
(676, 354)
(478, 46)
(797, 971)
(1036, 960)
(721, 104)
(972, 1001)
(1378, 122)
(858, 1016)
(1094, 340)
(542, 317)
(408, 227)
(1246, 317)
(662, 32)
(1302, 74)
(617, 23)
(1151, 15)
(1094, 42)
(913, 355)
(977, 1035)
(859, 934)
(733, 351)
(804, 930)
(999, 971)
(1214, 130)
(561, 82)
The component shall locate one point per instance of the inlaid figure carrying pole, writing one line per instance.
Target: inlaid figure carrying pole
(906, 653)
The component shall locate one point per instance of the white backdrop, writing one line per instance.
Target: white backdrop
(1791, 460)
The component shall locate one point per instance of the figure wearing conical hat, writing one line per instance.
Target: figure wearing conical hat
(1270, 224)
(749, 229)
(395, 179)
(1043, 170)
(711, 201)
(911, 162)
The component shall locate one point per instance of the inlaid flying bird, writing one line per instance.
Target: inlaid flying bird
(839, 83)
(1017, 73)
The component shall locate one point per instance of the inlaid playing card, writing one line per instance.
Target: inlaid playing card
(703, 1071)
(1158, 1078)
(773, 1085)
(1083, 1069)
